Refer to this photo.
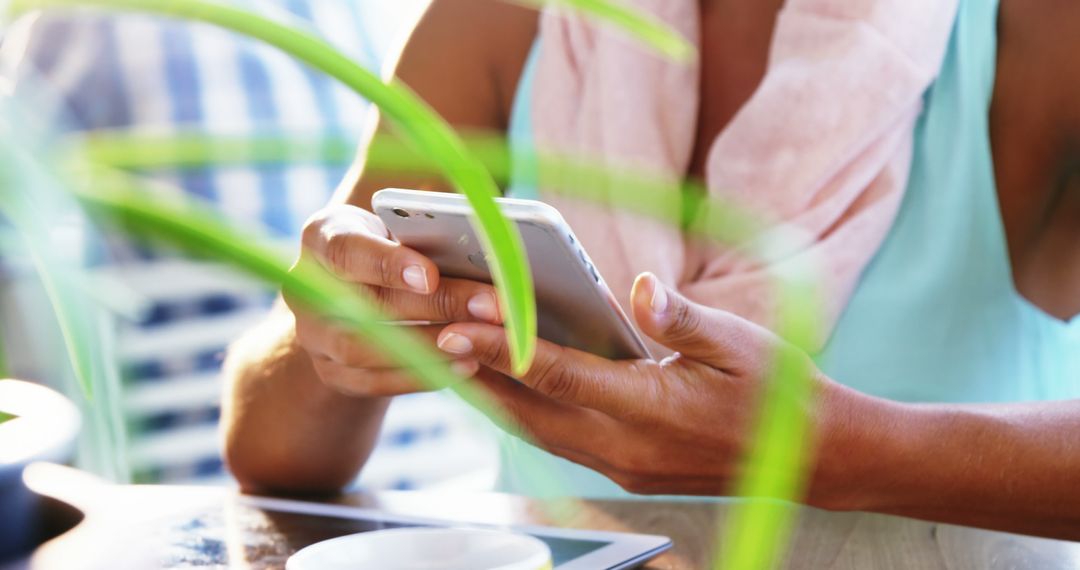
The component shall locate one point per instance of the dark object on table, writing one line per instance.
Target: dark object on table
(42, 426)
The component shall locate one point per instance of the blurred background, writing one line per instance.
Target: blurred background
(168, 318)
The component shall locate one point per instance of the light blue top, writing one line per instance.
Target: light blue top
(936, 317)
(520, 132)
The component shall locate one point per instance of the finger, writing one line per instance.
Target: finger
(355, 245)
(540, 420)
(348, 349)
(564, 374)
(576, 434)
(714, 337)
(380, 382)
(455, 300)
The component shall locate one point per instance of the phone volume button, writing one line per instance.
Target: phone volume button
(588, 264)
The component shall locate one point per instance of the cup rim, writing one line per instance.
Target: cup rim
(44, 429)
(538, 559)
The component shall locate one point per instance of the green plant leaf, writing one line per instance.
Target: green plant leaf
(5, 417)
(640, 191)
(181, 222)
(30, 212)
(417, 122)
(201, 231)
(32, 202)
(4, 367)
(125, 151)
(644, 27)
(757, 530)
(776, 470)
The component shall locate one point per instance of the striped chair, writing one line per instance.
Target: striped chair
(142, 75)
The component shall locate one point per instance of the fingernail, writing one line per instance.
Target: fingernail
(416, 278)
(659, 301)
(455, 344)
(484, 307)
(464, 368)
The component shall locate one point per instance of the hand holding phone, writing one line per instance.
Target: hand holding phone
(355, 246)
(575, 307)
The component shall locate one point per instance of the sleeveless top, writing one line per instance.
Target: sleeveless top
(936, 317)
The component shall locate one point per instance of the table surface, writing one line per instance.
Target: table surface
(145, 527)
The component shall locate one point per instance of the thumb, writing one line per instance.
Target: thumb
(714, 337)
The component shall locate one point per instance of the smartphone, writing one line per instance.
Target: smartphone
(575, 308)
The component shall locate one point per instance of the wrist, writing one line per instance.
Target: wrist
(862, 444)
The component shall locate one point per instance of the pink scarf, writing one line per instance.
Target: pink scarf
(823, 146)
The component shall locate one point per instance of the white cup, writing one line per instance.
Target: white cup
(426, 549)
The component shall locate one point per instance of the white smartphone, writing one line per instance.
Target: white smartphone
(575, 307)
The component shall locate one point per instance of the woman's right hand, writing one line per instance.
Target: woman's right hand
(354, 245)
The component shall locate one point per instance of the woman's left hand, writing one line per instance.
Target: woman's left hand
(679, 426)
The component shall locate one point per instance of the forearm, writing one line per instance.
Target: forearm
(284, 429)
(1009, 467)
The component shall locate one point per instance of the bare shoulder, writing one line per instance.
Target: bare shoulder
(1042, 38)
(465, 57)
(1036, 111)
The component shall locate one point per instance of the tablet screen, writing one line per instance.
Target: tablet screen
(258, 537)
(302, 530)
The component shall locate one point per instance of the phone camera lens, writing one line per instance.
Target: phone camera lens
(401, 213)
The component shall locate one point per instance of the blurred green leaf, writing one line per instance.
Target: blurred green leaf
(180, 221)
(639, 190)
(119, 200)
(4, 367)
(644, 27)
(4, 417)
(125, 151)
(418, 123)
(776, 471)
(34, 204)
(757, 530)
(31, 214)
(386, 155)
(776, 468)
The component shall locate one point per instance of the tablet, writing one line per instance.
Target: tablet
(302, 524)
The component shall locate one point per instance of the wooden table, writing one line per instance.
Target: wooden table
(148, 527)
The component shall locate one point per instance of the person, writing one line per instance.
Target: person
(936, 328)
(126, 73)
(842, 190)
(909, 287)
